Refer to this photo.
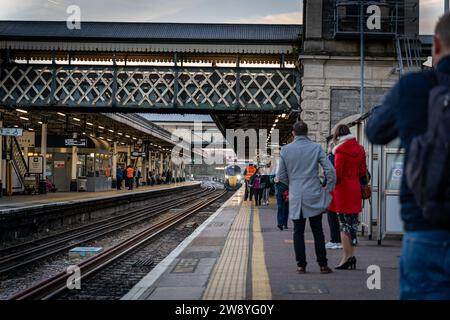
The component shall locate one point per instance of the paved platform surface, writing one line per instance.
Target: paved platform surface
(15, 202)
(240, 254)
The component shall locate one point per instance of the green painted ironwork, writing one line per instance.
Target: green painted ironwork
(121, 87)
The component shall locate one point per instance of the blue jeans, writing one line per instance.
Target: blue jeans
(425, 265)
(283, 210)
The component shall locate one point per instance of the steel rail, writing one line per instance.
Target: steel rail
(53, 286)
(87, 233)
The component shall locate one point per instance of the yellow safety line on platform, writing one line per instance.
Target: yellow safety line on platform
(229, 277)
(261, 289)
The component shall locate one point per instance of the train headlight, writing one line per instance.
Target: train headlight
(239, 177)
(227, 176)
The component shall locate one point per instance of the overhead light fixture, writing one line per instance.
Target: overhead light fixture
(111, 130)
(100, 138)
(16, 126)
(109, 139)
(61, 114)
(40, 122)
(30, 129)
(127, 136)
(284, 115)
(134, 138)
(120, 133)
(21, 111)
(76, 119)
(24, 118)
(100, 127)
(276, 120)
(89, 124)
(84, 133)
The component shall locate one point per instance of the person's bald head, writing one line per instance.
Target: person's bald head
(441, 39)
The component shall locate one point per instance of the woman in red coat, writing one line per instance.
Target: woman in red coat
(350, 165)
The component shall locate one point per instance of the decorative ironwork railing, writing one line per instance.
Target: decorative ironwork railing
(192, 88)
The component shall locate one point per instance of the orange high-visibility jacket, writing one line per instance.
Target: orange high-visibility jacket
(250, 171)
(130, 173)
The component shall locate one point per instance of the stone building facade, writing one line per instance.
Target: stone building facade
(331, 70)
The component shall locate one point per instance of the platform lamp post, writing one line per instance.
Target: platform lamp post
(73, 169)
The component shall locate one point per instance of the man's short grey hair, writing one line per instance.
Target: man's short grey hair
(443, 29)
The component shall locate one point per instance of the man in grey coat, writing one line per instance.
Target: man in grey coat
(299, 168)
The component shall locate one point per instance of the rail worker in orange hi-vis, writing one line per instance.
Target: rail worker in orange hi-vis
(130, 177)
(248, 173)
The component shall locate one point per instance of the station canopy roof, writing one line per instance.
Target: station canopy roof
(123, 128)
(150, 42)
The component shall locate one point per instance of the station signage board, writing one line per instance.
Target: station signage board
(138, 154)
(35, 165)
(15, 132)
(75, 142)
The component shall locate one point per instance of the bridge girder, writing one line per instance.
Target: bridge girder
(126, 89)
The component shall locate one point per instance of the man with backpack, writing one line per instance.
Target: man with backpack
(417, 110)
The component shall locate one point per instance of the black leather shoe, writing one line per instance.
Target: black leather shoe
(325, 269)
(280, 227)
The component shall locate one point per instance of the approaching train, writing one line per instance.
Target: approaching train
(233, 177)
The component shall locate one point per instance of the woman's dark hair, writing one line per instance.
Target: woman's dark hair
(341, 130)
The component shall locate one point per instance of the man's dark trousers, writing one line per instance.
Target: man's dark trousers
(248, 190)
(319, 240)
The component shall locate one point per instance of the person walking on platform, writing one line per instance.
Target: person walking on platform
(281, 190)
(265, 171)
(333, 220)
(138, 177)
(424, 261)
(350, 164)
(257, 185)
(299, 168)
(130, 177)
(248, 173)
(119, 177)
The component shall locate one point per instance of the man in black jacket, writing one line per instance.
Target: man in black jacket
(425, 258)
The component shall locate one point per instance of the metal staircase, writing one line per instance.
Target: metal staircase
(18, 160)
(408, 50)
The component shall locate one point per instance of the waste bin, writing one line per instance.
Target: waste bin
(82, 184)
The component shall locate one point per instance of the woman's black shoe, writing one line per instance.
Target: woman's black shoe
(349, 264)
(286, 227)
(280, 227)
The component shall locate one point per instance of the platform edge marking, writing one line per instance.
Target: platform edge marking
(154, 275)
(261, 289)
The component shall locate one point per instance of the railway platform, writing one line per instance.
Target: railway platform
(18, 203)
(240, 254)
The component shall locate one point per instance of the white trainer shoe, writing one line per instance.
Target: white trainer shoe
(330, 245)
(337, 246)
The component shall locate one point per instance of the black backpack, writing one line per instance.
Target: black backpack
(428, 168)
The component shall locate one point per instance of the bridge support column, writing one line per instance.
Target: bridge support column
(42, 183)
(331, 86)
(114, 166)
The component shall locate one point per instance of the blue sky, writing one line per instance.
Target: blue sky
(235, 11)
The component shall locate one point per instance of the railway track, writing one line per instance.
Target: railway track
(57, 284)
(18, 256)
